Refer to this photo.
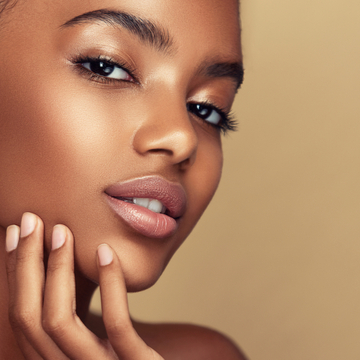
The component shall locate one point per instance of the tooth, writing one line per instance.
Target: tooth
(141, 202)
(156, 206)
(151, 204)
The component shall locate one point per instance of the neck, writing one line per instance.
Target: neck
(8, 346)
(84, 292)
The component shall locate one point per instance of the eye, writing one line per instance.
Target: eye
(206, 112)
(107, 69)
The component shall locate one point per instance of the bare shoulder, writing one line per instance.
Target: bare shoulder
(186, 341)
(179, 341)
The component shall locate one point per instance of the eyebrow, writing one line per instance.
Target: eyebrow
(232, 70)
(146, 30)
(157, 37)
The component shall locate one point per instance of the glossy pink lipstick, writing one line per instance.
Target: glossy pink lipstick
(120, 197)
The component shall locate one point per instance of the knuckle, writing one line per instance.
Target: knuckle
(55, 266)
(55, 326)
(118, 329)
(25, 256)
(59, 263)
(24, 320)
(11, 270)
(110, 281)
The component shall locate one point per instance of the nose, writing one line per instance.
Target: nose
(166, 129)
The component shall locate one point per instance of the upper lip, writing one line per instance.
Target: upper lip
(172, 195)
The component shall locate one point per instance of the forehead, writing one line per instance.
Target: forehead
(208, 22)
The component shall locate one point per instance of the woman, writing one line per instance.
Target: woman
(111, 115)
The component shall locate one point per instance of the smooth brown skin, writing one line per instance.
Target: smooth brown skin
(65, 138)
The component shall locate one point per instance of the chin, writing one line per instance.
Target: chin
(136, 279)
(143, 273)
(136, 284)
(142, 265)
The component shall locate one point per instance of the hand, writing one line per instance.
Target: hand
(42, 312)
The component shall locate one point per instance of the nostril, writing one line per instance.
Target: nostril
(165, 151)
(187, 163)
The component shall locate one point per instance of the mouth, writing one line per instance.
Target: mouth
(150, 205)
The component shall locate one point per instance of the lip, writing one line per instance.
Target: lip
(141, 219)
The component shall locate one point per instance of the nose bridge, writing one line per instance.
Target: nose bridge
(166, 129)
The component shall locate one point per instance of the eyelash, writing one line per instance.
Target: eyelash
(79, 60)
(226, 124)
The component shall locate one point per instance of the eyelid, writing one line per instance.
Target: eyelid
(228, 121)
(82, 59)
(117, 70)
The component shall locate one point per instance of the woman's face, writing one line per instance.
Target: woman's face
(112, 108)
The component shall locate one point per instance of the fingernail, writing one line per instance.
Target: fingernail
(12, 237)
(105, 255)
(58, 237)
(28, 223)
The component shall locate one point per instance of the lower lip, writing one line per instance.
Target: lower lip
(143, 220)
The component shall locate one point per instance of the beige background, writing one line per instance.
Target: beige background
(275, 261)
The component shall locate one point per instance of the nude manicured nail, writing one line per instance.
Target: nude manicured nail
(105, 255)
(28, 223)
(12, 237)
(58, 237)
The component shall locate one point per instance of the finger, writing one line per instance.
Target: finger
(26, 281)
(60, 281)
(59, 314)
(122, 336)
(29, 272)
(12, 240)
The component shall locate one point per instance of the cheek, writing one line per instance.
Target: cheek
(54, 146)
(201, 182)
(205, 178)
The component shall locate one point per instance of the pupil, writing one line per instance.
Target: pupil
(101, 68)
(203, 110)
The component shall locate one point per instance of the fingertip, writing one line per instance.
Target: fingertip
(105, 255)
(58, 237)
(28, 224)
(12, 237)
